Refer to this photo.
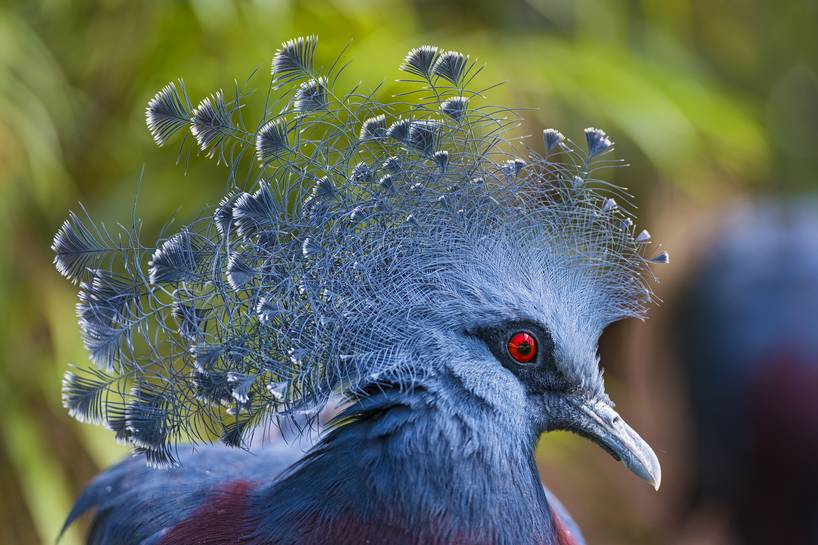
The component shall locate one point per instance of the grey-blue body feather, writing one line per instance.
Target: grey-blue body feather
(358, 485)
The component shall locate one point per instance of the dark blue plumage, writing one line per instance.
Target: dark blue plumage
(396, 468)
(137, 504)
(398, 256)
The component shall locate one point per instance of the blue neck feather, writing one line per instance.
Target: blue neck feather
(407, 467)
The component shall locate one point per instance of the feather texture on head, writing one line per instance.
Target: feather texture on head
(373, 229)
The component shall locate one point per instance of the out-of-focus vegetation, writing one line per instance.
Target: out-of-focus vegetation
(707, 99)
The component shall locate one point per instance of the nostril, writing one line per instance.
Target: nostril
(615, 420)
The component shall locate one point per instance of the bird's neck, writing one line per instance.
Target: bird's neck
(407, 467)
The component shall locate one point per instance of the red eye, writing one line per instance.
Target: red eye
(522, 347)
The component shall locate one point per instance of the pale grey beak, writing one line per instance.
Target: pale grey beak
(598, 421)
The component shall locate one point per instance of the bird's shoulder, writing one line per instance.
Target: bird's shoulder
(565, 529)
(135, 504)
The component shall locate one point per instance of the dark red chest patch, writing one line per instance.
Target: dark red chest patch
(562, 532)
(220, 519)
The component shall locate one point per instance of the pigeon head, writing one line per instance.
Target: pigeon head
(508, 293)
(378, 245)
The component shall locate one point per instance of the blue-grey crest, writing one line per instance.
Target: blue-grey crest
(373, 243)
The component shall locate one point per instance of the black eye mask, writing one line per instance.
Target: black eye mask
(540, 373)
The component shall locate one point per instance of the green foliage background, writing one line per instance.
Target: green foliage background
(705, 98)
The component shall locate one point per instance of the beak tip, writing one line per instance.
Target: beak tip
(654, 472)
(650, 473)
(657, 473)
(644, 463)
(657, 482)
